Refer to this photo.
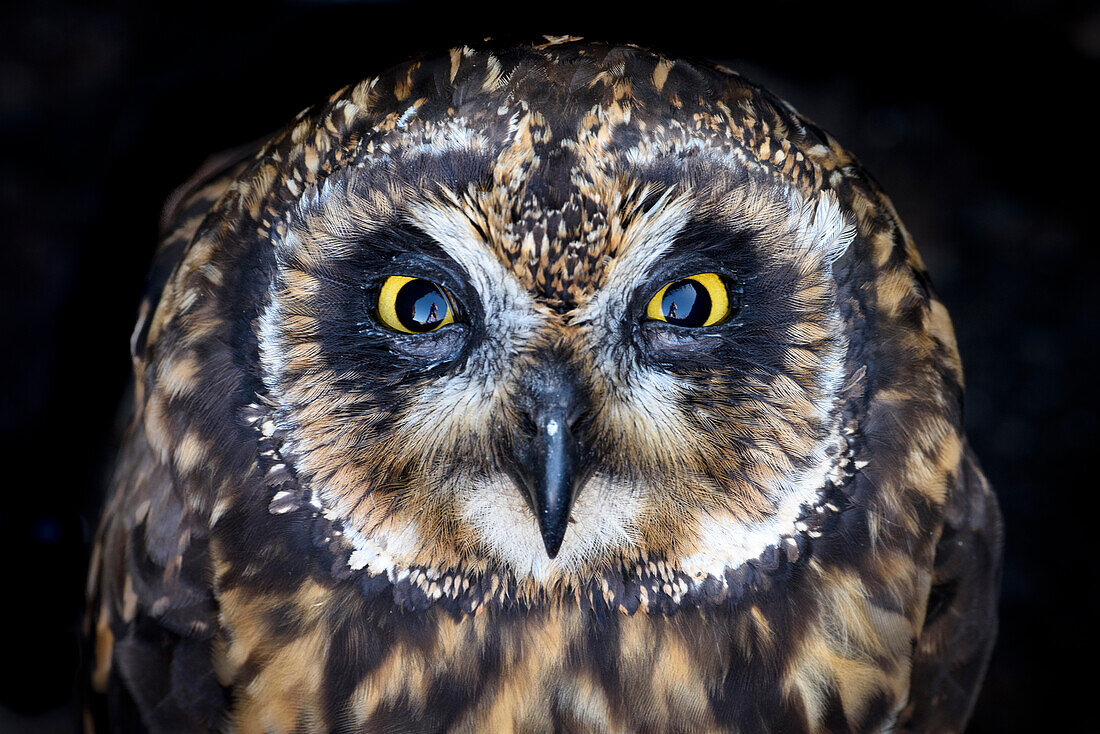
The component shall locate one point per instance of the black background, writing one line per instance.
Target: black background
(974, 117)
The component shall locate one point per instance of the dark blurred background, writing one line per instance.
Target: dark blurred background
(972, 116)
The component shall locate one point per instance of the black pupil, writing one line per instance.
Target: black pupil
(686, 303)
(420, 305)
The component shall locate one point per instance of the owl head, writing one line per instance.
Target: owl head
(538, 314)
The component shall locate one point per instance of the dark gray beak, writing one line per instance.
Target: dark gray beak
(551, 459)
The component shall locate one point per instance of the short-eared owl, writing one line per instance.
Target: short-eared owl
(565, 387)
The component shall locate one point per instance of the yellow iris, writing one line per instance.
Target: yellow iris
(414, 305)
(697, 300)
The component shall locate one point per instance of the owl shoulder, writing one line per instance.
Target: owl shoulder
(151, 615)
(960, 624)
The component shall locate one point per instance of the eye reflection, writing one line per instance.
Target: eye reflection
(686, 303)
(420, 306)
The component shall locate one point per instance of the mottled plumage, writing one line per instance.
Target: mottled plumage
(318, 523)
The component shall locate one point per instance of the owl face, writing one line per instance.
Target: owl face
(517, 386)
(527, 327)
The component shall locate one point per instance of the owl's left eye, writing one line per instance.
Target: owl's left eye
(698, 300)
(414, 305)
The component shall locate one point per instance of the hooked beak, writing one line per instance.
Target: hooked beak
(550, 462)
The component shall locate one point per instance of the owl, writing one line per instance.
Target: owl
(557, 387)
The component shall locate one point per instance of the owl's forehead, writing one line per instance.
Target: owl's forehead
(551, 153)
(555, 210)
(554, 154)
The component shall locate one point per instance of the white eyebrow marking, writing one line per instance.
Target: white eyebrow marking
(499, 289)
(648, 238)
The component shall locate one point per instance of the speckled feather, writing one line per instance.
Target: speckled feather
(311, 528)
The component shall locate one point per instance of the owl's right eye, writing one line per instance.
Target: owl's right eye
(698, 300)
(414, 305)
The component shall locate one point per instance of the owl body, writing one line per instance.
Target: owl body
(560, 387)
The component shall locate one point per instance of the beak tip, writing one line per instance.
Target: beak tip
(553, 545)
